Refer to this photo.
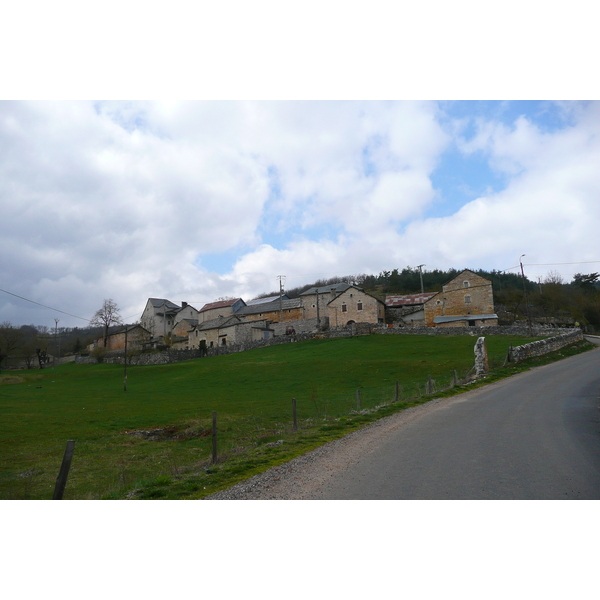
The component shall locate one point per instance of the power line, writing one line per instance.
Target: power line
(44, 306)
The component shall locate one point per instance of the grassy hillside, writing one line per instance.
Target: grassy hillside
(251, 392)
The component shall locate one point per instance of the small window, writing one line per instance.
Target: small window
(344, 308)
(466, 284)
(467, 299)
(359, 306)
(438, 301)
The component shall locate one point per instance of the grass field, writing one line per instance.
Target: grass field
(251, 392)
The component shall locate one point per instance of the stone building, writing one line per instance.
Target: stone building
(465, 301)
(224, 331)
(342, 304)
(275, 311)
(137, 338)
(220, 308)
(159, 316)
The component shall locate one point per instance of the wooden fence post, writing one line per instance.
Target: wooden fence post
(397, 391)
(358, 400)
(214, 437)
(61, 480)
(455, 377)
(294, 414)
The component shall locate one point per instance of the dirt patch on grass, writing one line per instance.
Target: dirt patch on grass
(170, 432)
(10, 379)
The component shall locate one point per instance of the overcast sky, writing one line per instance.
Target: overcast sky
(192, 201)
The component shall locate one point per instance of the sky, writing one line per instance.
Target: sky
(199, 200)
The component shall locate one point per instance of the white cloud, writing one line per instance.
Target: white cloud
(129, 200)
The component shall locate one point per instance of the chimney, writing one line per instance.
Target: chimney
(183, 304)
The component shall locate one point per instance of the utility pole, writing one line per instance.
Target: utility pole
(281, 280)
(526, 298)
(420, 267)
(56, 337)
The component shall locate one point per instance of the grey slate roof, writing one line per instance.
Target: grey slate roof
(273, 306)
(338, 288)
(265, 300)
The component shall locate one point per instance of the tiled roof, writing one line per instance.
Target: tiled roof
(219, 304)
(408, 299)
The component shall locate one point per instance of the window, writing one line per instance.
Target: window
(359, 306)
(466, 284)
(467, 299)
(344, 308)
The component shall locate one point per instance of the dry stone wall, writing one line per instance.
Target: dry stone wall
(541, 347)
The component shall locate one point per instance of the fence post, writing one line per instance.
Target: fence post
(214, 437)
(397, 391)
(294, 414)
(61, 480)
(358, 400)
(429, 389)
(455, 377)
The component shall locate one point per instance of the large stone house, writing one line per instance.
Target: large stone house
(342, 304)
(465, 301)
(220, 308)
(163, 318)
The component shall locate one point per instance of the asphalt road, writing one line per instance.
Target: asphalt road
(532, 436)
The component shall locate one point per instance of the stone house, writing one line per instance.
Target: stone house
(354, 305)
(224, 331)
(220, 308)
(342, 304)
(159, 317)
(137, 338)
(467, 300)
(275, 311)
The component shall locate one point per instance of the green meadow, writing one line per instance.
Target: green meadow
(154, 440)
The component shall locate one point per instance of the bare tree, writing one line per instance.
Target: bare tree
(106, 316)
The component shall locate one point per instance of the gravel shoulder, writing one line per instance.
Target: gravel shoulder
(302, 477)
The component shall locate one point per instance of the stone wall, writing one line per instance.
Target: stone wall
(541, 347)
(475, 331)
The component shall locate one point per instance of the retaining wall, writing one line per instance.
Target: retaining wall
(540, 347)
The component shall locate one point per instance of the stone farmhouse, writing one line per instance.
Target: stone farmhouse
(162, 317)
(465, 301)
(137, 338)
(341, 305)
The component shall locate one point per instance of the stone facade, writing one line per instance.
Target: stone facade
(137, 338)
(355, 306)
(225, 331)
(466, 300)
(159, 316)
(221, 308)
(285, 311)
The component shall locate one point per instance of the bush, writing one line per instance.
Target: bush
(99, 352)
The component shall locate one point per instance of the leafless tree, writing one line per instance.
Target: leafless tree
(106, 316)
